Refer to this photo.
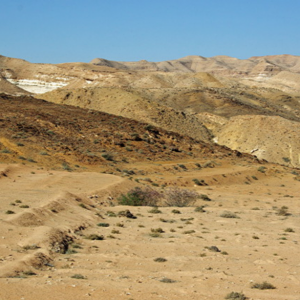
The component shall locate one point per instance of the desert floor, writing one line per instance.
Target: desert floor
(47, 216)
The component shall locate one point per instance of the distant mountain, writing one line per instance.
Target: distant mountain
(221, 65)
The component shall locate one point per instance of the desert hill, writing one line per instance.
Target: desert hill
(176, 95)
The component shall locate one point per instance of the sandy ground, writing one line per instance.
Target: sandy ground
(48, 238)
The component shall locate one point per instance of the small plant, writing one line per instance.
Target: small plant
(182, 166)
(167, 280)
(289, 230)
(235, 296)
(154, 210)
(262, 169)
(140, 197)
(108, 156)
(213, 249)
(78, 276)
(283, 211)
(95, 237)
(228, 214)
(200, 209)
(18, 201)
(189, 231)
(120, 225)
(83, 205)
(157, 230)
(199, 182)
(155, 234)
(180, 197)
(263, 286)
(71, 251)
(28, 273)
(115, 231)
(204, 197)
(31, 247)
(10, 212)
(5, 151)
(24, 206)
(103, 224)
(176, 211)
(110, 213)
(160, 259)
(255, 237)
(66, 167)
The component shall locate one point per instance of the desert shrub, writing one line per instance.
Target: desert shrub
(108, 156)
(289, 230)
(204, 197)
(176, 211)
(103, 224)
(199, 209)
(262, 169)
(213, 249)
(5, 151)
(235, 296)
(263, 286)
(9, 212)
(160, 259)
(28, 273)
(78, 276)
(157, 230)
(228, 214)
(66, 167)
(182, 166)
(180, 197)
(154, 210)
(140, 197)
(283, 211)
(167, 280)
(24, 206)
(189, 231)
(95, 237)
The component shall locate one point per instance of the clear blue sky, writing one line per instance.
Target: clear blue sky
(56, 31)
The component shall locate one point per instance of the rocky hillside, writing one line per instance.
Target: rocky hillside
(37, 132)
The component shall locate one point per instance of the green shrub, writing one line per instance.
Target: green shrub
(140, 197)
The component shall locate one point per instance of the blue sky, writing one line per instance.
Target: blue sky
(57, 31)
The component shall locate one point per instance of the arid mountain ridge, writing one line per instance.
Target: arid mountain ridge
(195, 96)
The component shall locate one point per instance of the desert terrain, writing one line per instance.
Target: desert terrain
(77, 138)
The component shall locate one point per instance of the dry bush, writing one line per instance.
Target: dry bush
(180, 197)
